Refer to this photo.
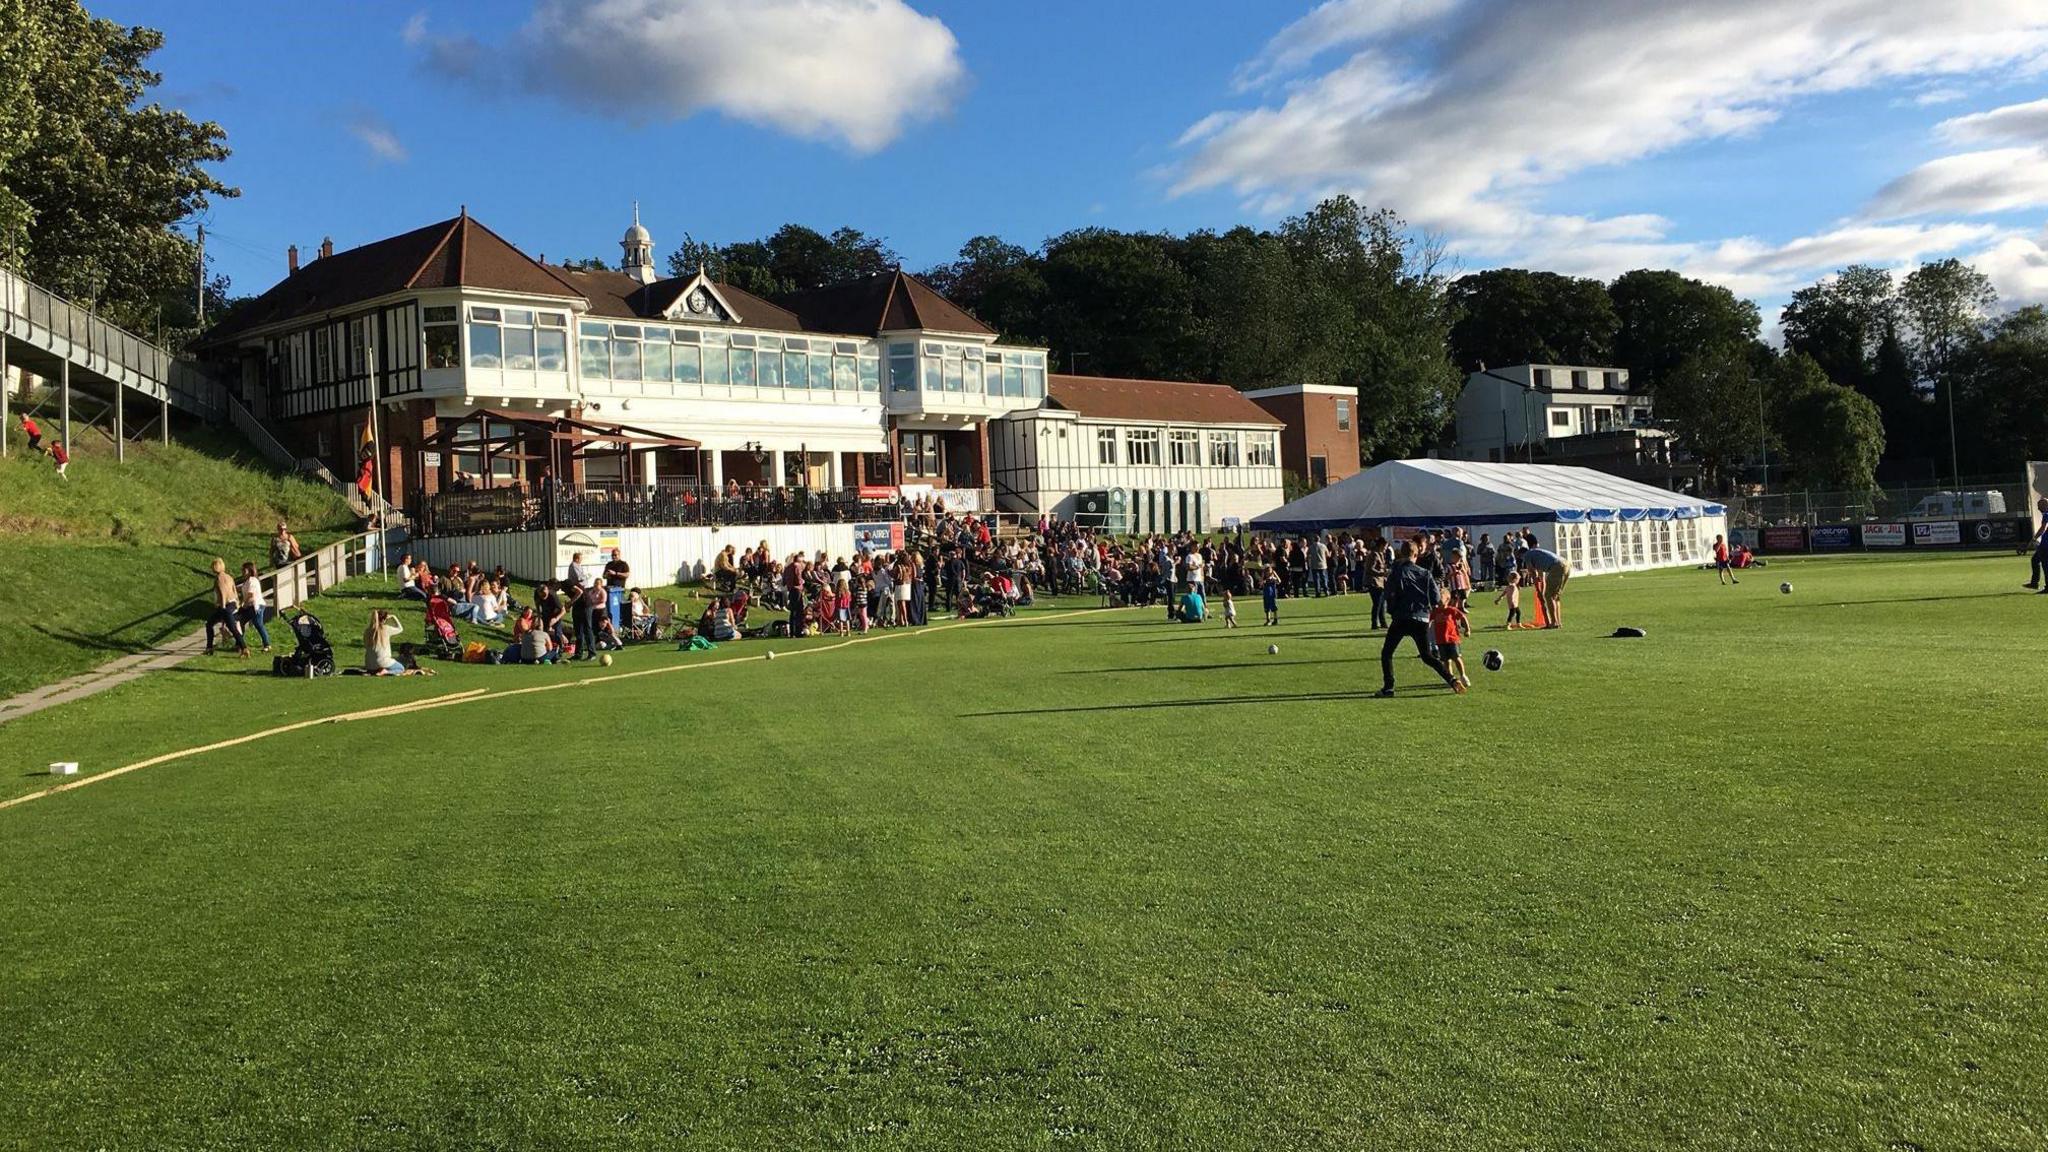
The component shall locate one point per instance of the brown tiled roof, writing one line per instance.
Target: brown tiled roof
(888, 302)
(459, 252)
(1154, 401)
(621, 297)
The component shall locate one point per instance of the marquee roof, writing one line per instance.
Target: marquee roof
(1429, 493)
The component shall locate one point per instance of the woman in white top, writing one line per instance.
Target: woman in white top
(254, 607)
(488, 607)
(377, 658)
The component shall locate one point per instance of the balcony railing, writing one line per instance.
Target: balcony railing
(522, 509)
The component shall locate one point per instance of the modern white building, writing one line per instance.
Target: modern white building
(1143, 455)
(1519, 413)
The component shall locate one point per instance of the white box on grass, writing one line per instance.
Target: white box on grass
(64, 768)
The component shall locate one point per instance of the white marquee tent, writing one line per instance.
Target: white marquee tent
(1600, 523)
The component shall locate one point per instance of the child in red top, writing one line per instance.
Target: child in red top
(1446, 628)
(62, 457)
(828, 608)
(33, 431)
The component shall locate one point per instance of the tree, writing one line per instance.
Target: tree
(1375, 313)
(1832, 435)
(1512, 316)
(91, 177)
(1841, 321)
(791, 259)
(1945, 304)
(1667, 319)
(1002, 284)
(1712, 402)
(588, 264)
(2002, 393)
(1120, 299)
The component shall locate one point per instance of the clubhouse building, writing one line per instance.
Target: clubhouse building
(481, 361)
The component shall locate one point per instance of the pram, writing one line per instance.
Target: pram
(442, 638)
(312, 655)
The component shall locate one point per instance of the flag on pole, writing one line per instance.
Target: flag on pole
(366, 462)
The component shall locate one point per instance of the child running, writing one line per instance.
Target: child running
(1229, 610)
(1446, 628)
(1512, 589)
(1272, 592)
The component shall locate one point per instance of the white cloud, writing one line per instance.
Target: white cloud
(1462, 114)
(1968, 184)
(1933, 96)
(415, 31)
(375, 133)
(2014, 123)
(854, 71)
(2018, 268)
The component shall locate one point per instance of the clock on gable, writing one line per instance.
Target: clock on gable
(699, 301)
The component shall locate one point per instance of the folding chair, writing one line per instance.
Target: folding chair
(664, 619)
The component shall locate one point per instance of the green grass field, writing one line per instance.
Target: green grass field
(115, 558)
(1769, 878)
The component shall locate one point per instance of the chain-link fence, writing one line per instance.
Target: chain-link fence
(1979, 499)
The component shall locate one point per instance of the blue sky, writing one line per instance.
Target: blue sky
(1746, 142)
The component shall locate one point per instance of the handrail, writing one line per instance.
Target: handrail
(99, 346)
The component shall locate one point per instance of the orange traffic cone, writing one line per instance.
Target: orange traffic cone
(1542, 621)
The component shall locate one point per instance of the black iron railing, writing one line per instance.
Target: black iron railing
(522, 509)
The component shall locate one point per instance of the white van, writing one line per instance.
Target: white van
(1959, 505)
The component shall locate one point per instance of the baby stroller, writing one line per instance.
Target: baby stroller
(312, 656)
(443, 640)
(992, 603)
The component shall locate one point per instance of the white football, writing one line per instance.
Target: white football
(1272, 649)
(1786, 587)
(771, 655)
(605, 661)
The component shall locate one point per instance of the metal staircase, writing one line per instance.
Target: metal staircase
(99, 368)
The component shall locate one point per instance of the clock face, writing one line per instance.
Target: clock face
(700, 302)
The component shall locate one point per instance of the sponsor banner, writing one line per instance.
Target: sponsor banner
(1832, 537)
(2009, 531)
(1934, 533)
(878, 492)
(873, 538)
(1784, 538)
(1884, 535)
(1743, 538)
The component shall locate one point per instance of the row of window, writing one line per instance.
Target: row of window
(969, 369)
(1581, 379)
(1601, 419)
(1184, 448)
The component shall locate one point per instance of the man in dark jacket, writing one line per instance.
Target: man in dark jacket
(1411, 593)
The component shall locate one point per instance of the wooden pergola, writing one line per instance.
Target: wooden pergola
(568, 442)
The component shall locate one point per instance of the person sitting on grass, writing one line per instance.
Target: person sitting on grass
(530, 641)
(377, 658)
(1193, 608)
(227, 610)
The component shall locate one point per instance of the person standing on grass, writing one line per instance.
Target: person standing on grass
(1319, 567)
(1377, 565)
(1722, 573)
(2037, 576)
(576, 577)
(253, 604)
(1550, 571)
(1414, 594)
(284, 547)
(616, 573)
(33, 431)
(1511, 588)
(1270, 587)
(1229, 609)
(60, 456)
(585, 602)
(1447, 625)
(227, 604)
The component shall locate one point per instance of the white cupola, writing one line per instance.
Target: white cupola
(639, 246)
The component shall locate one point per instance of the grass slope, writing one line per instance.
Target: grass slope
(114, 558)
(1770, 878)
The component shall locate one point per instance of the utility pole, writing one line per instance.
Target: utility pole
(199, 308)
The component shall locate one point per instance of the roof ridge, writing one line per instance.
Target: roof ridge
(413, 280)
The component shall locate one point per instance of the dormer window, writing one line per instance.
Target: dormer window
(1580, 380)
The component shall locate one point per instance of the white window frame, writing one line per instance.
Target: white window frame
(1105, 447)
(1141, 447)
(1184, 448)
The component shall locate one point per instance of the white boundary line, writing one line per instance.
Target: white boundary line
(474, 695)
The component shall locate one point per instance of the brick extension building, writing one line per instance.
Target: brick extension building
(1320, 443)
